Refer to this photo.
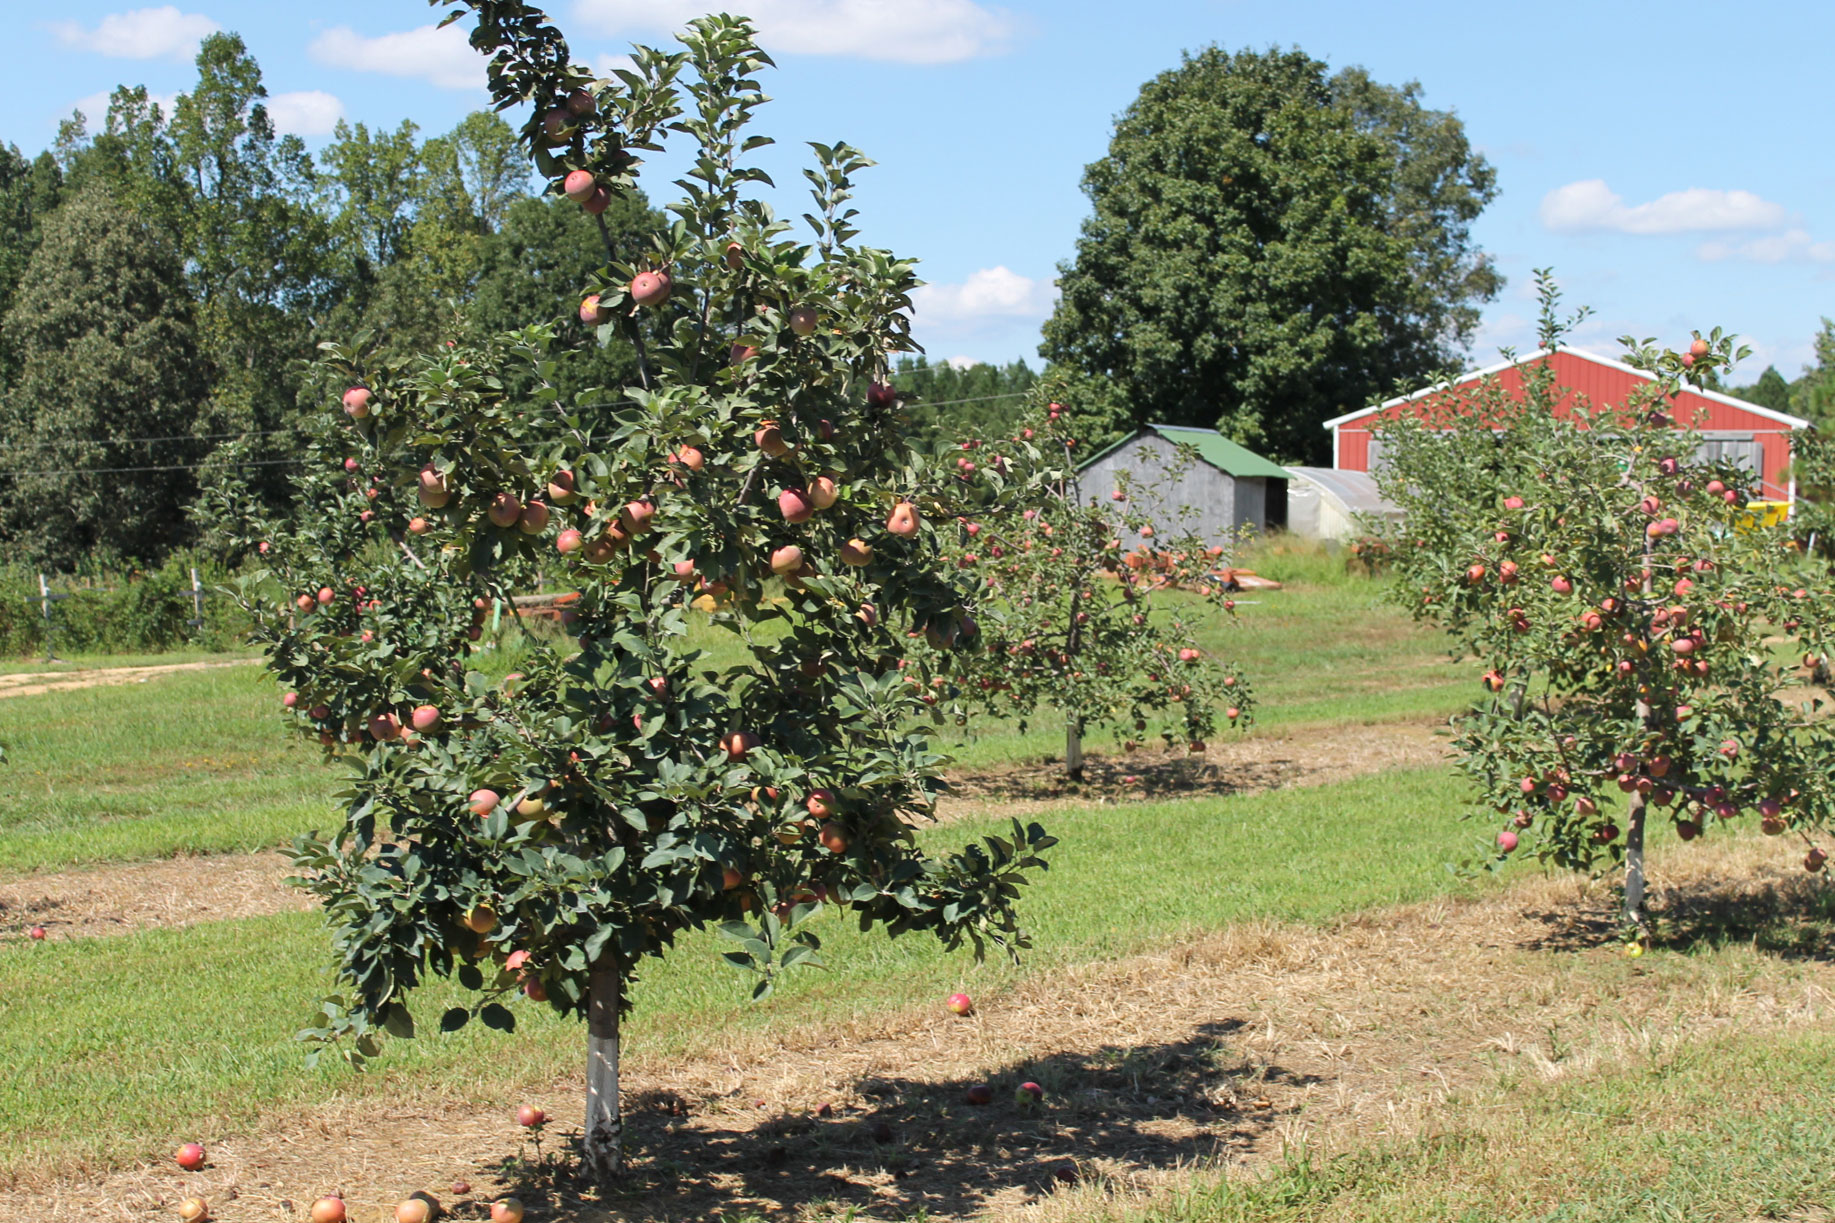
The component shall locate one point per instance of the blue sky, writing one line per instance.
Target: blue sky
(1664, 158)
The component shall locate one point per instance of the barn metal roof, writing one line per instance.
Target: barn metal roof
(1783, 418)
(1213, 447)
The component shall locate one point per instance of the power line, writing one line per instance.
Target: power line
(111, 471)
(127, 441)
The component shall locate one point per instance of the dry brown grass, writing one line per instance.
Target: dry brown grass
(36, 683)
(1307, 755)
(1223, 1052)
(173, 892)
(118, 899)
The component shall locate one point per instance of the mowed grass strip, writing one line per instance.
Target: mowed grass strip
(1724, 1130)
(203, 762)
(174, 1035)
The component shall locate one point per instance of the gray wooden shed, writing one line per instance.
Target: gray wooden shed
(1230, 488)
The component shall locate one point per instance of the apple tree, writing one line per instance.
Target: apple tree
(1644, 644)
(1065, 612)
(542, 836)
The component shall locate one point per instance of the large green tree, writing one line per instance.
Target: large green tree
(29, 190)
(532, 269)
(103, 330)
(1813, 395)
(1272, 244)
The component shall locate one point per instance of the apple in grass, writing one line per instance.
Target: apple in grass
(529, 1116)
(417, 1209)
(329, 1209)
(959, 1004)
(194, 1210)
(506, 1210)
(1028, 1094)
(979, 1095)
(190, 1157)
(37, 934)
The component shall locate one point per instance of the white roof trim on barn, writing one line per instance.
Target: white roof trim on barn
(1794, 422)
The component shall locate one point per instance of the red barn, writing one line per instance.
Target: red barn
(1755, 436)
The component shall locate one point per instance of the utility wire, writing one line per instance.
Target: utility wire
(110, 471)
(128, 441)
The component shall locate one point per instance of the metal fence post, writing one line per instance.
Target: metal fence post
(197, 601)
(45, 599)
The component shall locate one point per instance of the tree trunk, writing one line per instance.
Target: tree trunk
(1073, 748)
(1634, 862)
(602, 1149)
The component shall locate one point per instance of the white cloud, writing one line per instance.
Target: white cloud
(1591, 205)
(145, 33)
(436, 54)
(962, 362)
(95, 107)
(1791, 246)
(989, 294)
(306, 112)
(906, 31)
(605, 65)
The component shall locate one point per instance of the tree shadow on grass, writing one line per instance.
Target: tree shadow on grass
(1789, 914)
(1143, 776)
(915, 1148)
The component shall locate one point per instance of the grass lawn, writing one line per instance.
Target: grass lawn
(165, 1032)
(201, 762)
(1722, 1131)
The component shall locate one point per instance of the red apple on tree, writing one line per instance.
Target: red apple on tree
(794, 504)
(578, 186)
(651, 288)
(357, 402)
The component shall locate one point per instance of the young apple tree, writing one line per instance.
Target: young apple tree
(1644, 642)
(547, 833)
(1065, 608)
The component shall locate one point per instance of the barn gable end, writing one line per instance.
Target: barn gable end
(1736, 429)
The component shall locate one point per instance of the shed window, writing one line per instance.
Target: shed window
(1741, 451)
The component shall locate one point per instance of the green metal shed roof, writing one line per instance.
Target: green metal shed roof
(1213, 447)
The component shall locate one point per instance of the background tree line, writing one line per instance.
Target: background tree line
(1270, 243)
(164, 279)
